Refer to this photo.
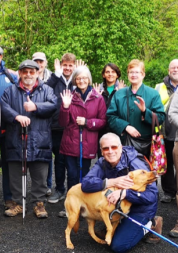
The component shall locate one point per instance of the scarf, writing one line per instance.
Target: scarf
(85, 94)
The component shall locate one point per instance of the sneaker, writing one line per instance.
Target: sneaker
(152, 238)
(14, 210)
(55, 197)
(48, 192)
(8, 203)
(166, 199)
(174, 231)
(40, 211)
(62, 214)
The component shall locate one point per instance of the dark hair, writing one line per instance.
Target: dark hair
(115, 68)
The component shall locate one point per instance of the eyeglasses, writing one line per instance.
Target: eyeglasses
(112, 147)
(81, 78)
(134, 72)
(26, 72)
(176, 67)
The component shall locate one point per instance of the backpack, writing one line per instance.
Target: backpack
(145, 160)
(6, 72)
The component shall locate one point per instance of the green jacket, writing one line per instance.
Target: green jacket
(117, 111)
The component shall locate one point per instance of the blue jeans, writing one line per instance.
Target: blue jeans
(5, 172)
(128, 234)
(73, 169)
(59, 161)
(50, 173)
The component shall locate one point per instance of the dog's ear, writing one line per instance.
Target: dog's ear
(131, 175)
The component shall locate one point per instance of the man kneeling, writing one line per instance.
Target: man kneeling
(111, 171)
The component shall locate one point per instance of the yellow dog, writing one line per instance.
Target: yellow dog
(94, 206)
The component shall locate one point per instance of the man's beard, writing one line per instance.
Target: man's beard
(28, 82)
(174, 78)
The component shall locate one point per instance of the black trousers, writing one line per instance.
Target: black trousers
(168, 180)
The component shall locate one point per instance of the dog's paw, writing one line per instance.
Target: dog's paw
(70, 246)
(108, 241)
(102, 242)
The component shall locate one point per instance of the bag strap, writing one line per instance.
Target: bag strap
(127, 92)
(6, 72)
(155, 122)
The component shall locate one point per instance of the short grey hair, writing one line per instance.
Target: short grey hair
(78, 71)
(173, 61)
(108, 136)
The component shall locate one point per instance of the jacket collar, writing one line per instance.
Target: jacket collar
(139, 91)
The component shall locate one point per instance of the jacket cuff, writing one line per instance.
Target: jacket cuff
(104, 183)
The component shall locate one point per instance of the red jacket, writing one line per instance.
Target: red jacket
(94, 110)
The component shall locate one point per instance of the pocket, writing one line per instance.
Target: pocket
(42, 139)
(12, 138)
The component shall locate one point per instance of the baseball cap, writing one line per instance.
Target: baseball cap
(39, 56)
(1, 50)
(29, 64)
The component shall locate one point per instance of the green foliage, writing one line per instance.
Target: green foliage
(98, 31)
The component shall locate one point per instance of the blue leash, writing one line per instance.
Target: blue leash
(141, 225)
(81, 154)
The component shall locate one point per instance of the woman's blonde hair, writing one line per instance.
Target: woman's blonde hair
(136, 63)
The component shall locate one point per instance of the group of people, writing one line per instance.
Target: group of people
(55, 107)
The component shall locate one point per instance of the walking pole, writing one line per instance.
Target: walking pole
(81, 155)
(141, 225)
(24, 169)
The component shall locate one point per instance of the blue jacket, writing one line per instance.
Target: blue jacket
(143, 204)
(39, 131)
(4, 83)
(4, 80)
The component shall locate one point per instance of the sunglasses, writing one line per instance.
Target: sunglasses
(31, 72)
(112, 147)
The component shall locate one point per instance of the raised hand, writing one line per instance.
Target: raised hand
(141, 104)
(121, 85)
(29, 106)
(97, 88)
(57, 65)
(66, 98)
(80, 63)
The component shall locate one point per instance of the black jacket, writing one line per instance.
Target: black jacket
(39, 131)
(58, 84)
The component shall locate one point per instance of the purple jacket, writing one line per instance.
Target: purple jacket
(94, 110)
(144, 203)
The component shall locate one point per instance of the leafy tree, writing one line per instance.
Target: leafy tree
(98, 31)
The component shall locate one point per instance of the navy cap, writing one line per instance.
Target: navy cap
(1, 50)
(29, 64)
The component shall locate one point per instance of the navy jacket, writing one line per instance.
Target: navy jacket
(144, 204)
(58, 84)
(39, 131)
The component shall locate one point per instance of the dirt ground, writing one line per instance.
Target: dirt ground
(47, 235)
